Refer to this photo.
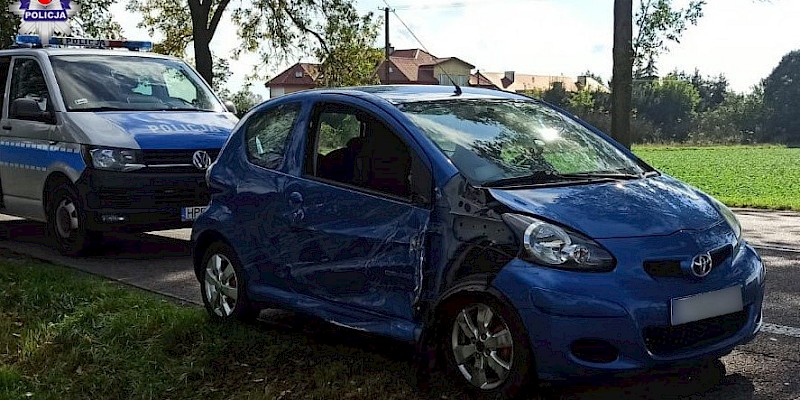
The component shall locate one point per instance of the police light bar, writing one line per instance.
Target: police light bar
(33, 40)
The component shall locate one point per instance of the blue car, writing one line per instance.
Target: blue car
(516, 240)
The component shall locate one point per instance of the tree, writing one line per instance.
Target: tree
(350, 59)
(622, 78)
(669, 104)
(93, 20)
(782, 99)
(658, 23)
(278, 30)
(244, 100)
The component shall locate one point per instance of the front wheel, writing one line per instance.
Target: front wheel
(66, 222)
(486, 347)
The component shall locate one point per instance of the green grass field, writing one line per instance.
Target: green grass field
(740, 176)
(68, 335)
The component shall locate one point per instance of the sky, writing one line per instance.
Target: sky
(742, 39)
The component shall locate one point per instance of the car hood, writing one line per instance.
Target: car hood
(652, 206)
(153, 129)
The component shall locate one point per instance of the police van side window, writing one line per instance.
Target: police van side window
(28, 82)
(5, 63)
(268, 134)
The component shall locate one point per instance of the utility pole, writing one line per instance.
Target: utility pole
(622, 79)
(387, 45)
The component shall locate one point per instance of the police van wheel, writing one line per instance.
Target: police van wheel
(66, 222)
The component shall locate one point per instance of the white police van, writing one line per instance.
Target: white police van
(95, 139)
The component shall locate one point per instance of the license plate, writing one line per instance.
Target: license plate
(191, 213)
(706, 305)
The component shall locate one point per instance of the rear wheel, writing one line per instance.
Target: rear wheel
(486, 347)
(66, 222)
(223, 287)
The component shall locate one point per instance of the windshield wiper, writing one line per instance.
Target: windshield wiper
(535, 178)
(605, 175)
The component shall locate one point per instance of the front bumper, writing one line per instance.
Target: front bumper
(562, 309)
(140, 201)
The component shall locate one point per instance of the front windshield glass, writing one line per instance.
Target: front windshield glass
(109, 82)
(501, 140)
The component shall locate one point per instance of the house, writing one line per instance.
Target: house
(407, 66)
(300, 76)
(416, 66)
(515, 82)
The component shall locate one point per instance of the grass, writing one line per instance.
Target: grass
(65, 334)
(739, 176)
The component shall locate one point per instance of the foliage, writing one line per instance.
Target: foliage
(782, 99)
(658, 24)
(278, 30)
(244, 100)
(746, 176)
(350, 60)
(93, 20)
(669, 104)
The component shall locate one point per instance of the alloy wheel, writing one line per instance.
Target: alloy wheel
(66, 218)
(482, 345)
(221, 285)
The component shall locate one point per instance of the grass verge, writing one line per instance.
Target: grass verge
(739, 176)
(65, 334)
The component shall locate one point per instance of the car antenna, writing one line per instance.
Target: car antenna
(458, 90)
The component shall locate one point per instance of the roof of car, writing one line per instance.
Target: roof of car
(411, 93)
(83, 51)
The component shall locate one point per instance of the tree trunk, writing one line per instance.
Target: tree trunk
(202, 58)
(622, 80)
(201, 36)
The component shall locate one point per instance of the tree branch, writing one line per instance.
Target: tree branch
(217, 16)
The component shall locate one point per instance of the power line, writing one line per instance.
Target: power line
(458, 4)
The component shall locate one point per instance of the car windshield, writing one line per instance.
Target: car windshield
(129, 83)
(494, 142)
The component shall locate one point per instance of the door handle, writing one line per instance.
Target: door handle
(6, 127)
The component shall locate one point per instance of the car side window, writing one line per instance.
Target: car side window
(28, 82)
(355, 148)
(267, 135)
(5, 63)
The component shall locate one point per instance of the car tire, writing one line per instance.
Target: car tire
(66, 222)
(488, 363)
(222, 285)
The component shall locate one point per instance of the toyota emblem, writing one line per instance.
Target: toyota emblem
(702, 265)
(201, 160)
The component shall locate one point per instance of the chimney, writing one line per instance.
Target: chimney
(510, 76)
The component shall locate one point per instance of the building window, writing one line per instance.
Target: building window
(460, 80)
(298, 74)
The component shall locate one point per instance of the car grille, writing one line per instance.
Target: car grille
(172, 161)
(672, 268)
(666, 340)
(153, 198)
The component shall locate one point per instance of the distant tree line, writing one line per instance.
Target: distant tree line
(685, 107)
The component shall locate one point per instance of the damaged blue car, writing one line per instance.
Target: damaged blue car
(517, 241)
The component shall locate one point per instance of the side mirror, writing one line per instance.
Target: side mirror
(230, 106)
(28, 109)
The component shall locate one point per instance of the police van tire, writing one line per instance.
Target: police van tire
(66, 222)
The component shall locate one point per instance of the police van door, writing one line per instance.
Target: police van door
(27, 125)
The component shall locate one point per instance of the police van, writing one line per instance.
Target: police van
(96, 138)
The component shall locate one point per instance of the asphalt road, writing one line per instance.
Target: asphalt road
(767, 368)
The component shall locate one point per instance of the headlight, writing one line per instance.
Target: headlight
(554, 246)
(113, 159)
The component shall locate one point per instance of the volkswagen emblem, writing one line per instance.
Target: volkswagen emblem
(201, 160)
(702, 264)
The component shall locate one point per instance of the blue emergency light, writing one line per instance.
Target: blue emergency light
(35, 41)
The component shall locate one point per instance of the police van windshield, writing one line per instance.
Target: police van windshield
(129, 83)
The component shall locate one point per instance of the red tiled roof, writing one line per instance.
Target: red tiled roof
(309, 75)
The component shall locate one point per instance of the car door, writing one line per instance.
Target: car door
(25, 141)
(5, 69)
(358, 223)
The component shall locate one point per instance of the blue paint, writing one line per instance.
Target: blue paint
(380, 265)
